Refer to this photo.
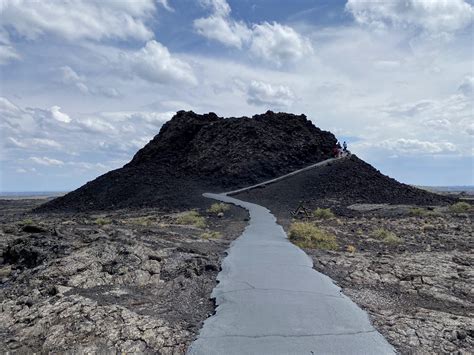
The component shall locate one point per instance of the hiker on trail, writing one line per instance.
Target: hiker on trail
(344, 146)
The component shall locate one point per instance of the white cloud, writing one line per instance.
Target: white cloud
(154, 63)
(467, 86)
(58, 115)
(404, 146)
(272, 42)
(16, 143)
(70, 77)
(7, 52)
(79, 19)
(278, 43)
(44, 142)
(433, 16)
(221, 27)
(265, 94)
(46, 161)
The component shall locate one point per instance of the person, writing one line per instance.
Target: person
(344, 146)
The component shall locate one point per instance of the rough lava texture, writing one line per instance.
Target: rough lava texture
(196, 153)
(337, 185)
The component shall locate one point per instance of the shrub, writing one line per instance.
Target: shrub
(102, 221)
(307, 235)
(386, 236)
(192, 218)
(460, 207)
(323, 213)
(217, 208)
(142, 221)
(211, 235)
(26, 222)
(428, 227)
(418, 212)
(351, 249)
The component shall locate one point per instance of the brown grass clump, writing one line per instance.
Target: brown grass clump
(192, 218)
(307, 235)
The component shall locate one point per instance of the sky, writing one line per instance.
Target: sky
(84, 84)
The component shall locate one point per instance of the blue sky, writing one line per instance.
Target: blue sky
(85, 84)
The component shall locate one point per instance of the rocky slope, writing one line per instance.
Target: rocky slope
(338, 185)
(195, 153)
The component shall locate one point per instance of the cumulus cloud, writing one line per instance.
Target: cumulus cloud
(265, 94)
(58, 115)
(433, 16)
(154, 63)
(79, 19)
(278, 43)
(221, 27)
(93, 142)
(272, 42)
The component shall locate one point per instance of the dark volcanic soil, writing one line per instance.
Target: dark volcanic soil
(195, 153)
(337, 185)
(131, 281)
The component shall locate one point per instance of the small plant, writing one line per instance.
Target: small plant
(217, 208)
(323, 213)
(211, 235)
(102, 221)
(428, 227)
(418, 212)
(460, 207)
(192, 218)
(142, 221)
(307, 235)
(351, 249)
(386, 236)
(26, 222)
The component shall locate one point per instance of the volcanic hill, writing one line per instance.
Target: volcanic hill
(196, 153)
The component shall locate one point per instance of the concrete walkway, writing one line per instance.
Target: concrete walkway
(271, 301)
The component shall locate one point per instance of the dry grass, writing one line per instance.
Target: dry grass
(460, 207)
(192, 218)
(307, 235)
(142, 221)
(323, 213)
(351, 249)
(418, 212)
(211, 235)
(217, 208)
(386, 236)
(102, 221)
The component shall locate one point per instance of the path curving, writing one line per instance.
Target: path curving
(270, 300)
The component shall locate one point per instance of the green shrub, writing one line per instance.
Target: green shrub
(323, 213)
(418, 212)
(26, 222)
(192, 218)
(211, 235)
(217, 208)
(460, 207)
(307, 235)
(102, 221)
(351, 249)
(386, 236)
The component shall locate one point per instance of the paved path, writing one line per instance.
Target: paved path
(271, 301)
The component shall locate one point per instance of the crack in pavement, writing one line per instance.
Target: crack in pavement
(288, 336)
